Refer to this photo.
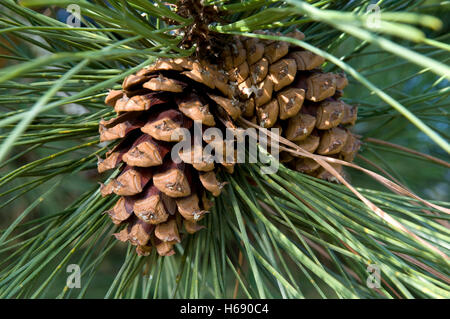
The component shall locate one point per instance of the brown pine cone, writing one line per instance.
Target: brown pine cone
(270, 82)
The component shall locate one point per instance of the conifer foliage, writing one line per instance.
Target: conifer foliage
(88, 112)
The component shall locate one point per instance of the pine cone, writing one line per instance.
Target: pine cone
(268, 82)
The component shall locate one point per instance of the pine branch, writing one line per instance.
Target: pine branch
(299, 237)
